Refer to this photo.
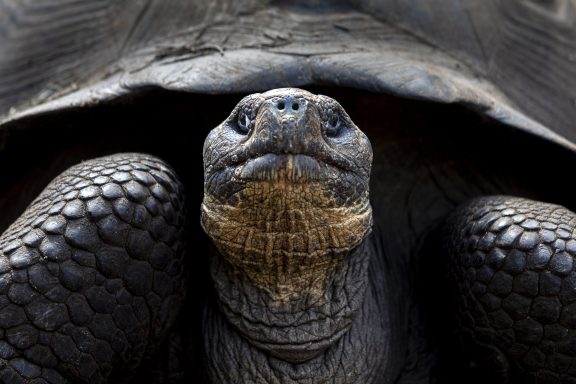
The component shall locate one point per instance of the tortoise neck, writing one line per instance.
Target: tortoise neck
(299, 329)
(348, 338)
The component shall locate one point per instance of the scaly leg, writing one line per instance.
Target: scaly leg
(512, 262)
(91, 274)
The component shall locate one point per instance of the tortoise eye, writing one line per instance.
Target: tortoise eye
(332, 127)
(243, 123)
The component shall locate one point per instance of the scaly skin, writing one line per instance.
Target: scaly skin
(91, 274)
(512, 263)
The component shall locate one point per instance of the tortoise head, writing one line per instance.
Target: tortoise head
(286, 189)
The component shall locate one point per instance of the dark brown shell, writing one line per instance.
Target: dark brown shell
(512, 60)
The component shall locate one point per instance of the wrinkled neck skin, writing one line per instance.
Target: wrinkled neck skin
(364, 353)
(295, 303)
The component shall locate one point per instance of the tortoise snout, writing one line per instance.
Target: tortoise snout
(287, 124)
(290, 105)
(289, 110)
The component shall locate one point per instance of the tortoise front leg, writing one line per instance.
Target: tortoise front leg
(512, 262)
(91, 273)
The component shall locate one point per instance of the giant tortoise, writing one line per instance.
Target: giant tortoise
(408, 227)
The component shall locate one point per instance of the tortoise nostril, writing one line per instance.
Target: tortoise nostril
(281, 105)
(295, 106)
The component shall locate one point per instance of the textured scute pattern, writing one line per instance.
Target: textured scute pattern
(91, 274)
(513, 265)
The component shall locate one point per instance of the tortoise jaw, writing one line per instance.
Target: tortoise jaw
(293, 168)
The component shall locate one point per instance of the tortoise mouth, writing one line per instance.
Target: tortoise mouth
(273, 167)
